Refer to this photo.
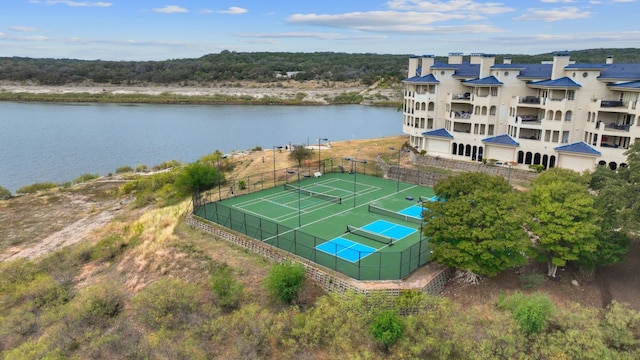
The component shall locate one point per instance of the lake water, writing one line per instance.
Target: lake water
(42, 142)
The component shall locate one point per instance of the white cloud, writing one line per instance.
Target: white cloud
(74, 3)
(313, 35)
(565, 13)
(372, 19)
(458, 6)
(170, 9)
(23, 28)
(234, 10)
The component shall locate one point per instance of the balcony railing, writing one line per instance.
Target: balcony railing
(465, 96)
(616, 126)
(530, 100)
(611, 103)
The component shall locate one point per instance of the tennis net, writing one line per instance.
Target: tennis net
(396, 215)
(424, 199)
(370, 235)
(332, 198)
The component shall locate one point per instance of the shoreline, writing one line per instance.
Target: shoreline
(287, 93)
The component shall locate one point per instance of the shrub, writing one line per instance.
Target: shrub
(85, 177)
(227, 289)
(124, 170)
(242, 185)
(141, 168)
(4, 193)
(387, 328)
(531, 312)
(29, 189)
(168, 303)
(108, 247)
(285, 281)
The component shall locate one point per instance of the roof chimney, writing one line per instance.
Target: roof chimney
(455, 58)
(476, 58)
(506, 60)
(486, 62)
(560, 61)
(413, 66)
(427, 63)
(610, 59)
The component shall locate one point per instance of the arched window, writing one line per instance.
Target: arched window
(536, 158)
(545, 161)
(492, 110)
(552, 161)
(460, 149)
(613, 165)
(568, 115)
(558, 115)
(454, 149)
(527, 158)
(520, 157)
(432, 106)
(484, 110)
(467, 150)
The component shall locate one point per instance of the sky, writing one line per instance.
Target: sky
(142, 30)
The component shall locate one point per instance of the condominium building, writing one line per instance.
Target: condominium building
(557, 113)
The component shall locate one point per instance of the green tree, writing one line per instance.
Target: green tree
(562, 218)
(479, 227)
(300, 153)
(197, 177)
(285, 281)
(387, 328)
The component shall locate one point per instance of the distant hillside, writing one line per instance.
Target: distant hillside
(230, 66)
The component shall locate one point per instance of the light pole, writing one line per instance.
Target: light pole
(274, 163)
(319, 151)
(398, 171)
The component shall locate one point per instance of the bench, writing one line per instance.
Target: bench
(317, 174)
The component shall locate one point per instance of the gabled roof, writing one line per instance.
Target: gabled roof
(631, 85)
(579, 148)
(487, 81)
(501, 140)
(441, 133)
(563, 82)
(428, 79)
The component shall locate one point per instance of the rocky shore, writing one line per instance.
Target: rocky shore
(308, 91)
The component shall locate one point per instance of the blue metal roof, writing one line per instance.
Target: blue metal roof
(563, 82)
(428, 79)
(631, 85)
(488, 81)
(467, 70)
(443, 133)
(501, 140)
(628, 72)
(579, 147)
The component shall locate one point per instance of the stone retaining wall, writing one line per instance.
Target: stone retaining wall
(429, 282)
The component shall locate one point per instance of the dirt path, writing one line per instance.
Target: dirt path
(71, 234)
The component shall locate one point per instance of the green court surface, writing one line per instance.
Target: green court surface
(312, 217)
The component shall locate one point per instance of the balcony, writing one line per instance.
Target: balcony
(530, 100)
(463, 97)
(611, 103)
(617, 126)
(461, 114)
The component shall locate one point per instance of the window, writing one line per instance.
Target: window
(568, 115)
(492, 110)
(494, 91)
(571, 94)
(565, 137)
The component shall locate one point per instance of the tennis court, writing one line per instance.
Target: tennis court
(329, 220)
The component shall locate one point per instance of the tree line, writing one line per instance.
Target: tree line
(248, 66)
